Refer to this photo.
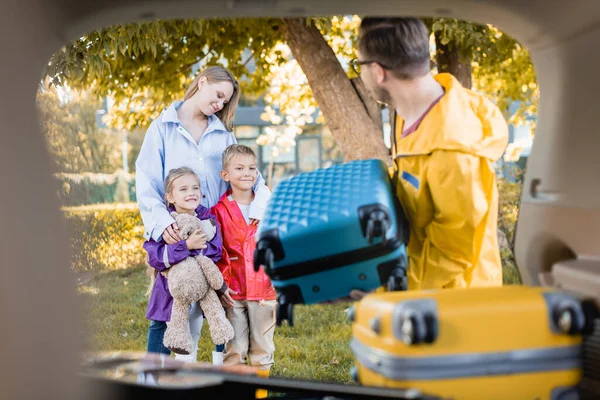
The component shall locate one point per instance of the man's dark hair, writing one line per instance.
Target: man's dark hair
(400, 45)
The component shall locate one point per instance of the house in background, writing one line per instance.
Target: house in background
(520, 139)
(316, 148)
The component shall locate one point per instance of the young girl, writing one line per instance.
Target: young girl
(182, 193)
(253, 311)
(192, 133)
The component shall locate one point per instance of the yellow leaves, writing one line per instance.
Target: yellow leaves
(91, 290)
(342, 35)
(290, 103)
(105, 237)
(270, 114)
(282, 138)
(513, 152)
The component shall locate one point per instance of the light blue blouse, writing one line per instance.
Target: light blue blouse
(169, 145)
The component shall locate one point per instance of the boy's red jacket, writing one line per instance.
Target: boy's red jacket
(237, 262)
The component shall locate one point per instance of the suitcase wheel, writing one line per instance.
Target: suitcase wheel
(351, 314)
(354, 374)
(568, 321)
(408, 331)
(396, 283)
(264, 257)
(431, 323)
(285, 311)
(416, 330)
(374, 221)
(591, 314)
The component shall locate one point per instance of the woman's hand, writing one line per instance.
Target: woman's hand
(254, 221)
(197, 240)
(171, 234)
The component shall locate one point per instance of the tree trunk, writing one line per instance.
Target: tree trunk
(346, 115)
(371, 106)
(448, 59)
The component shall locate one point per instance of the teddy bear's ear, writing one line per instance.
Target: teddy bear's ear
(174, 214)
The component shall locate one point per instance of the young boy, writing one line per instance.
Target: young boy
(253, 312)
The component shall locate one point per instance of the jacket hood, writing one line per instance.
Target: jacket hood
(463, 121)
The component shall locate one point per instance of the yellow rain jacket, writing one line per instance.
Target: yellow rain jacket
(447, 186)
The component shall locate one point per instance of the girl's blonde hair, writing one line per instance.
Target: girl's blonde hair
(174, 174)
(171, 177)
(218, 74)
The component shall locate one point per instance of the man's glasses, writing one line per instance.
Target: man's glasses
(356, 64)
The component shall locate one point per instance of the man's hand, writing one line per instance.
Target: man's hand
(357, 295)
(226, 299)
(171, 234)
(197, 240)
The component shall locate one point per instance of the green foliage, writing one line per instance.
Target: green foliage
(105, 237)
(502, 68)
(144, 66)
(508, 207)
(508, 212)
(466, 37)
(90, 188)
(510, 272)
(72, 135)
(317, 347)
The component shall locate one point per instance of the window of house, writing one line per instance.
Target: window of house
(309, 153)
(246, 131)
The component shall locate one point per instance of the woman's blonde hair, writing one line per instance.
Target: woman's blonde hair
(171, 177)
(218, 74)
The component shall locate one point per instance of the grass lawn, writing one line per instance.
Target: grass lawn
(316, 348)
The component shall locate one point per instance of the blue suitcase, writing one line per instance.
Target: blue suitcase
(332, 230)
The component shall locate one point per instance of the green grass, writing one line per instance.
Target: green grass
(316, 348)
(510, 272)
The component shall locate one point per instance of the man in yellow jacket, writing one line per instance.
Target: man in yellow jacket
(447, 139)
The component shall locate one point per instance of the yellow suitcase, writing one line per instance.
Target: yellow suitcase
(512, 342)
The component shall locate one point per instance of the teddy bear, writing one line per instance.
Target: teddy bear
(195, 279)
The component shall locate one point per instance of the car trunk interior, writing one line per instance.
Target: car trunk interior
(558, 229)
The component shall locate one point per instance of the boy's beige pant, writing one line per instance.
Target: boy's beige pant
(253, 325)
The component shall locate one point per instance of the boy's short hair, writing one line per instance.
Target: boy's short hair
(234, 150)
(400, 45)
